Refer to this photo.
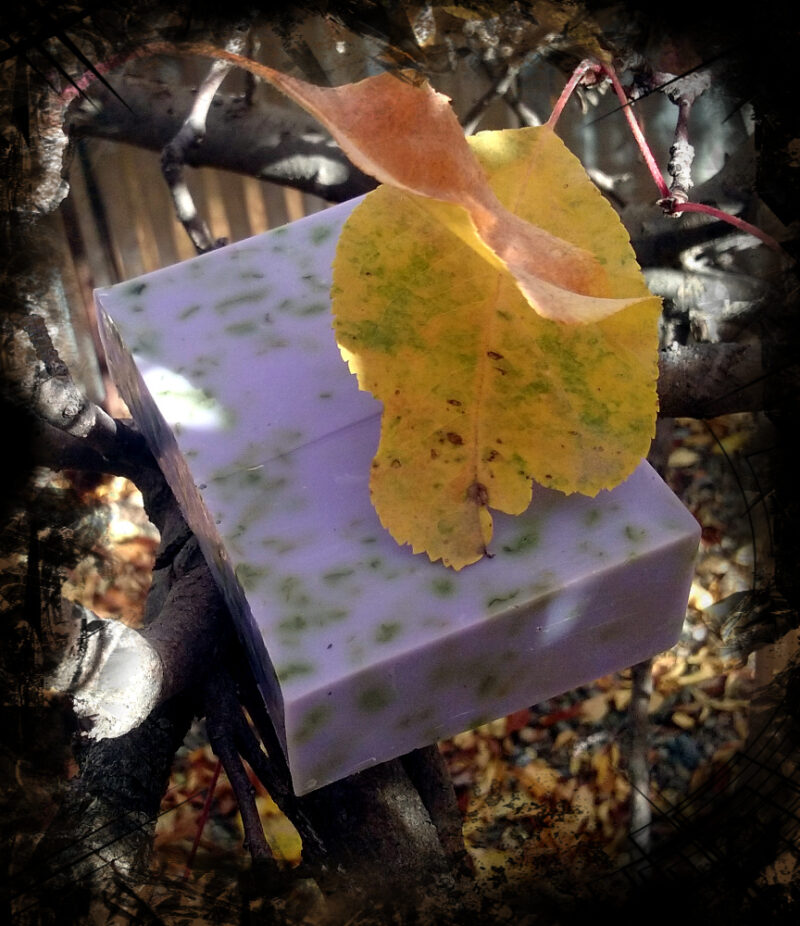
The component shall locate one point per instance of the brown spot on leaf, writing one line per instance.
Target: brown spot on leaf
(491, 456)
(434, 454)
(395, 464)
(478, 493)
(453, 402)
(454, 438)
(494, 355)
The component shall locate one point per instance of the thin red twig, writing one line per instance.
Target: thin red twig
(636, 130)
(672, 205)
(201, 823)
(727, 217)
(569, 89)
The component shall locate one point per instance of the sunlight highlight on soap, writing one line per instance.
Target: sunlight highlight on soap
(181, 402)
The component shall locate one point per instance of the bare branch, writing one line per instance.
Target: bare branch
(108, 669)
(105, 824)
(523, 112)
(682, 92)
(500, 86)
(706, 380)
(681, 156)
(191, 135)
(223, 721)
(638, 765)
(430, 776)
(260, 139)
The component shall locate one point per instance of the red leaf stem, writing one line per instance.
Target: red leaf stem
(671, 207)
(671, 204)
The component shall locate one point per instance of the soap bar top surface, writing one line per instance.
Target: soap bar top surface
(240, 342)
(364, 650)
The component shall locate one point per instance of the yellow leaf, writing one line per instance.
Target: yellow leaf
(405, 134)
(594, 709)
(622, 698)
(683, 720)
(564, 738)
(540, 779)
(480, 394)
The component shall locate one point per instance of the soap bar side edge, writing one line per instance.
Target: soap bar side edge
(162, 443)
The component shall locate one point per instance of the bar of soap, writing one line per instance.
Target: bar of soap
(364, 651)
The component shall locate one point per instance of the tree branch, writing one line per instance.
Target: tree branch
(38, 379)
(104, 827)
(224, 723)
(707, 380)
(259, 139)
(189, 136)
(637, 743)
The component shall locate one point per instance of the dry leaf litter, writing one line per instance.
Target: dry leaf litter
(547, 785)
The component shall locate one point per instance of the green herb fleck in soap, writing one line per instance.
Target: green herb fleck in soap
(364, 651)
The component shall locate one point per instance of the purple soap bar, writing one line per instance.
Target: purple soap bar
(363, 650)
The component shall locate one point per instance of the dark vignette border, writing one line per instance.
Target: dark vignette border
(741, 835)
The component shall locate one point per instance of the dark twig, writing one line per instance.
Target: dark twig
(202, 820)
(638, 767)
(499, 88)
(224, 724)
(190, 135)
(262, 139)
(589, 72)
(706, 380)
(524, 113)
(429, 774)
(62, 36)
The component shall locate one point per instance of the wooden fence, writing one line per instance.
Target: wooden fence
(118, 222)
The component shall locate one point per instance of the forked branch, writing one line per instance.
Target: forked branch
(673, 200)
